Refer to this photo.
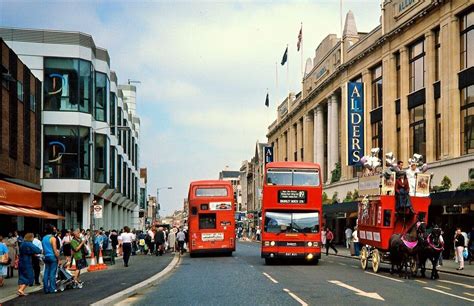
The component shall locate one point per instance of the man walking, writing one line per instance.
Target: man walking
(348, 233)
(329, 241)
(181, 238)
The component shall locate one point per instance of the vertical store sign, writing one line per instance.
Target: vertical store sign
(268, 155)
(355, 121)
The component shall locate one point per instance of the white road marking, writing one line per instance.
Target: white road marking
(467, 293)
(330, 261)
(303, 303)
(420, 281)
(393, 279)
(342, 264)
(251, 266)
(270, 278)
(443, 287)
(372, 295)
(450, 294)
(357, 267)
(456, 283)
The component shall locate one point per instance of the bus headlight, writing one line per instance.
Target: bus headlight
(310, 244)
(266, 243)
(272, 243)
(309, 256)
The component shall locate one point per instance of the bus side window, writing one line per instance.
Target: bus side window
(194, 210)
(387, 216)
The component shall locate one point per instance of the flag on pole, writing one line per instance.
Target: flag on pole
(300, 38)
(285, 57)
(267, 101)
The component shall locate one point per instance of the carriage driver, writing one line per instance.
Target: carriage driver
(402, 190)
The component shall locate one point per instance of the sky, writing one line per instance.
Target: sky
(205, 68)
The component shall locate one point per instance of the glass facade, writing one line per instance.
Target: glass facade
(66, 152)
(113, 103)
(100, 161)
(101, 96)
(417, 66)
(467, 120)
(467, 40)
(67, 85)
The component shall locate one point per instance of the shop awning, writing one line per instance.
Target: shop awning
(27, 212)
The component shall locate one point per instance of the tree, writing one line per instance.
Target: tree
(355, 195)
(446, 183)
(466, 186)
(334, 199)
(325, 198)
(348, 197)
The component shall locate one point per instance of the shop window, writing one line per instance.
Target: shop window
(467, 120)
(66, 152)
(207, 221)
(417, 66)
(101, 96)
(467, 40)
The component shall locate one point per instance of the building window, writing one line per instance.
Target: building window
(66, 152)
(101, 96)
(32, 103)
(377, 136)
(377, 87)
(26, 118)
(112, 167)
(467, 120)
(417, 66)
(13, 108)
(397, 67)
(438, 130)
(67, 84)
(119, 173)
(20, 91)
(417, 130)
(100, 158)
(399, 141)
(467, 40)
(437, 50)
(113, 104)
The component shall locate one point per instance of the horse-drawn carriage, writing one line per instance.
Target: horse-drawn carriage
(378, 221)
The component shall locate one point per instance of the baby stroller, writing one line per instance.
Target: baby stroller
(65, 280)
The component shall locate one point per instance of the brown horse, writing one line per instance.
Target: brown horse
(404, 248)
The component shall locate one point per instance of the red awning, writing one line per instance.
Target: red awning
(27, 212)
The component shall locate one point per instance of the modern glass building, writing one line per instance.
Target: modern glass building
(90, 139)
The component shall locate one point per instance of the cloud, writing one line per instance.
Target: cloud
(205, 69)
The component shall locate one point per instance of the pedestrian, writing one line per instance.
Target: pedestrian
(51, 260)
(323, 237)
(329, 241)
(257, 233)
(126, 239)
(4, 261)
(411, 176)
(348, 234)
(355, 240)
(134, 243)
(12, 244)
(459, 245)
(471, 245)
(160, 241)
(114, 241)
(66, 241)
(181, 238)
(402, 189)
(440, 259)
(36, 259)
(78, 252)
(26, 274)
(172, 239)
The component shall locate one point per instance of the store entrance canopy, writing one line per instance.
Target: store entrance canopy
(27, 212)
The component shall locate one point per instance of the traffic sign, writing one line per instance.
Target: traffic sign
(268, 154)
(98, 211)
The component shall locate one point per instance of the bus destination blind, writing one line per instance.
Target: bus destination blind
(292, 196)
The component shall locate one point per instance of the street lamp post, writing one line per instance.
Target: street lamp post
(158, 199)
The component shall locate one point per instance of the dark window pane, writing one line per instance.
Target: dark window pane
(207, 221)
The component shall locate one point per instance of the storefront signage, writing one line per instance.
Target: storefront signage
(369, 185)
(452, 209)
(220, 205)
(355, 121)
(292, 196)
(268, 154)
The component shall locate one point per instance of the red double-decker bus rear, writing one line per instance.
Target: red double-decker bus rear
(211, 221)
(291, 211)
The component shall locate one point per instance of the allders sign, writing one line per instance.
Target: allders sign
(355, 121)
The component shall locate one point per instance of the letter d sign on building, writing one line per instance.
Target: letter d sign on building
(355, 121)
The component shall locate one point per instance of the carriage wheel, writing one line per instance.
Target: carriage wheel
(364, 255)
(375, 260)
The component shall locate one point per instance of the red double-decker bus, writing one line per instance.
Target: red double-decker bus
(291, 211)
(211, 221)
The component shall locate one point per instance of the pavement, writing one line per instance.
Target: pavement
(98, 285)
(336, 280)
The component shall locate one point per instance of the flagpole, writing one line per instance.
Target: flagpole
(302, 69)
(268, 111)
(288, 78)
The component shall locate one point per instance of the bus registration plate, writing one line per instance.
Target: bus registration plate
(291, 254)
(212, 236)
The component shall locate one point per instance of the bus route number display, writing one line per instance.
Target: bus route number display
(292, 196)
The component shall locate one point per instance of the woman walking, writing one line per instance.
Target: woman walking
(126, 239)
(67, 246)
(3, 265)
(51, 260)
(26, 276)
(459, 245)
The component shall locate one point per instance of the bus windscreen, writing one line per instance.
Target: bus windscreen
(211, 192)
(292, 178)
(291, 222)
